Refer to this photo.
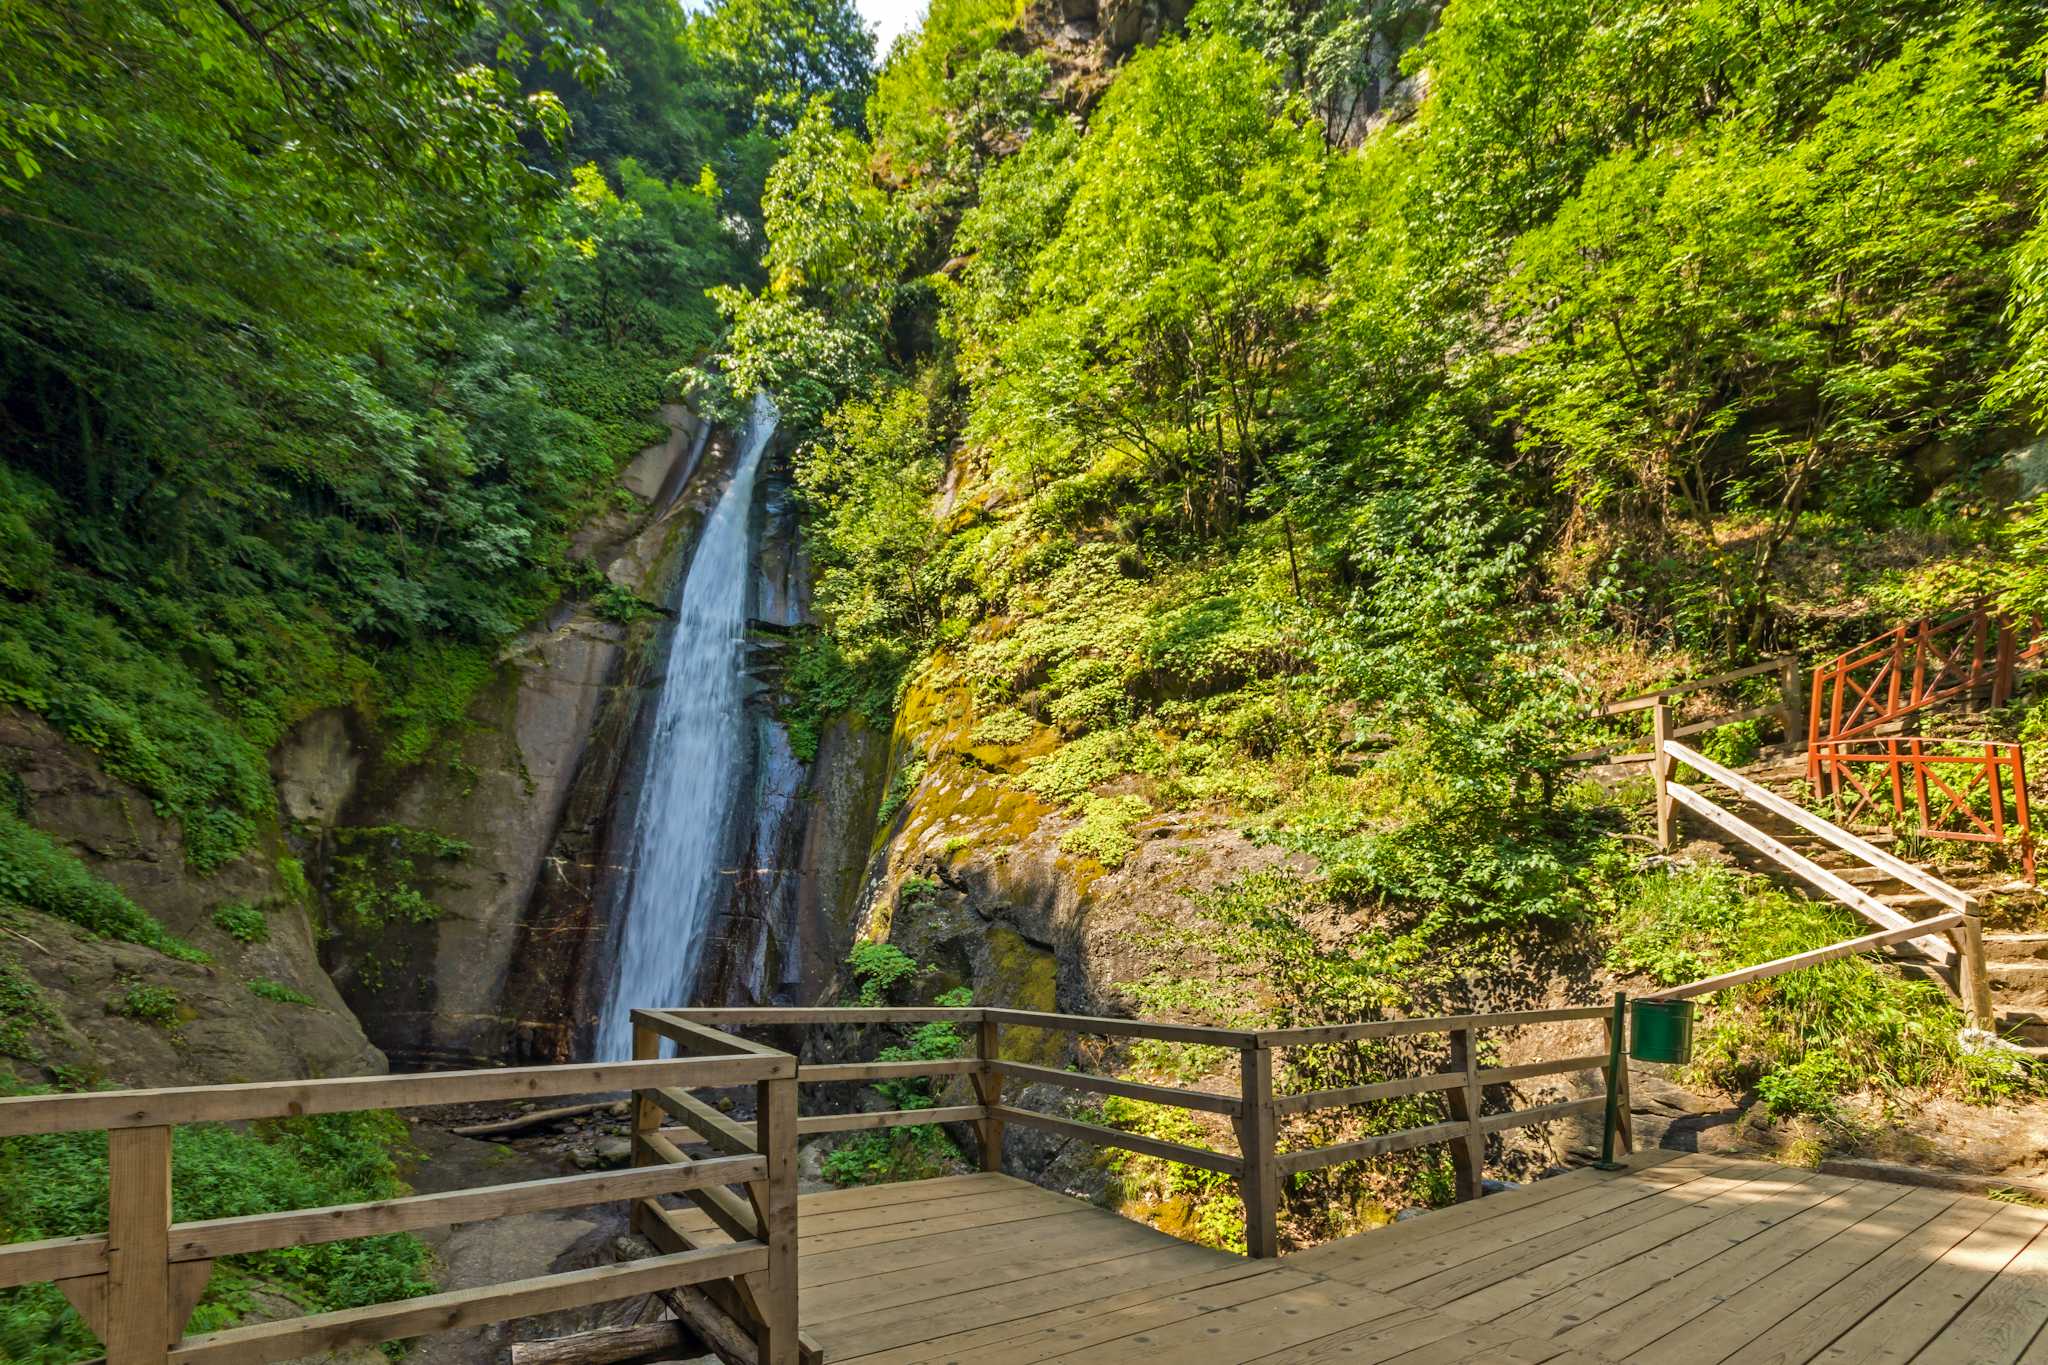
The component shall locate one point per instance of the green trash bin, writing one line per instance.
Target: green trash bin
(1660, 1030)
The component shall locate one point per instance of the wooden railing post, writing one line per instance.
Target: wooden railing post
(139, 1327)
(646, 1118)
(1789, 696)
(1974, 981)
(1617, 1082)
(1660, 769)
(1468, 1151)
(1259, 1182)
(775, 1107)
(988, 1091)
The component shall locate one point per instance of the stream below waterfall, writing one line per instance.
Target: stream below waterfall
(669, 884)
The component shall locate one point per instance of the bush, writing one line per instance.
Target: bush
(278, 991)
(1804, 1040)
(158, 1005)
(242, 923)
(36, 873)
(1104, 832)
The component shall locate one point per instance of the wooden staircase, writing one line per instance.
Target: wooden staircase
(2016, 915)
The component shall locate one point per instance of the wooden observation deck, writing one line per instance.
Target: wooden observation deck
(1676, 1257)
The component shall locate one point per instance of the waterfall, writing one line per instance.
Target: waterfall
(670, 882)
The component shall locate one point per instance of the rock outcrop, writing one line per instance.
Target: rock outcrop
(203, 1023)
(489, 977)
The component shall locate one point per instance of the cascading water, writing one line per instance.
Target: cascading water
(670, 879)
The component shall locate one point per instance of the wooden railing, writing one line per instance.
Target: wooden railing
(1917, 665)
(1953, 939)
(137, 1284)
(1256, 1112)
(1957, 770)
(1786, 708)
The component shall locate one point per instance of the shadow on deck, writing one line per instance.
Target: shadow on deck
(1681, 1258)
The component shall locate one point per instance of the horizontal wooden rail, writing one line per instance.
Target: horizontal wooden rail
(1254, 1111)
(1095, 1133)
(270, 1231)
(883, 1071)
(1126, 1028)
(1398, 1028)
(1649, 699)
(889, 1118)
(1940, 924)
(328, 1332)
(1399, 1088)
(1174, 1096)
(137, 1285)
(114, 1109)
(1700, 727)
(770, 1016)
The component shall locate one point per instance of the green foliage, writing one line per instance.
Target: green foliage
(1156, 324)
(880, 968)
(56, 1186)
(822, 682)
(424, 695)
(1104, 832)
(1199, 1205)
(266, 989)
(919, 1151)
(779, 55)
(23, 1008)
(1804, 1040)
(241, 922)
(37, 874)
(291, 875)
(385, 874)
(158, 1005)
(901, 783)
(309, 423)
(1003, 727)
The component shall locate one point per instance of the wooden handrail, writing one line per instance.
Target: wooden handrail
(1786, 708)
(1813, 957)
(1954, 939)
(1255, 1112)
(136, 1286)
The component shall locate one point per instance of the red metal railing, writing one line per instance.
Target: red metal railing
(1982, 798)
(1917, 665)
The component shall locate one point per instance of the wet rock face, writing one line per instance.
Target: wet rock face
(496, 975)
(217, 1029)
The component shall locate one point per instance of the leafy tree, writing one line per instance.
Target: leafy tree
(1163, 318)
(780, 55)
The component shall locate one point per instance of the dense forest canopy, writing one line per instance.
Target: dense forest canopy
(1315, 422)
(320, 326)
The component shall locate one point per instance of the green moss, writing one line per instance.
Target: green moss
(36, 873)
(1005, 727)
(383, 874)
(424, 694)
(267, 989)
(291, 875)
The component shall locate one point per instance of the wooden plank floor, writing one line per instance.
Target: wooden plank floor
(1682, 1260)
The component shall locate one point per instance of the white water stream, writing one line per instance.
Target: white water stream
(671, 881)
